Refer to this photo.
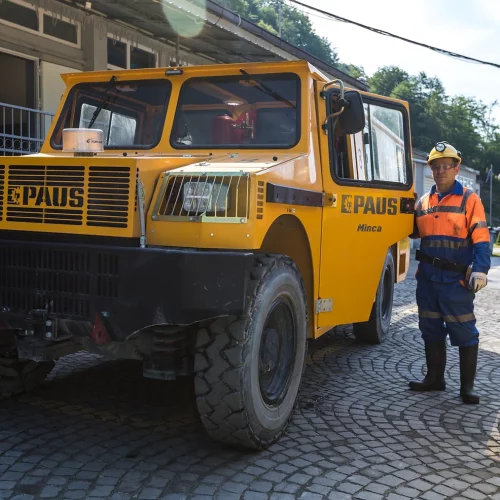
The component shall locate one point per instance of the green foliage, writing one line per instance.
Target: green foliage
(296, 28)
(386, 79)
(485, 198)
(352, 70)
(463, 121)
(267, 27)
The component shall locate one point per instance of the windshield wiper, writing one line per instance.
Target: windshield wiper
(264, 88)
(102, 103)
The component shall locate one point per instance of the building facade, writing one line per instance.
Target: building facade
(41, 39)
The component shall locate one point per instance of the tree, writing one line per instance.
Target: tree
(463, 121)
(386, 79)
(296, 27)
(239, 6)
(357, 72)
(426, 98)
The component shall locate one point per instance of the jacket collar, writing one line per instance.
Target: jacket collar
(456, 189)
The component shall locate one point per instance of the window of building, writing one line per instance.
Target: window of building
(117, 54)
(25, 16)
(123, 55)
(378, 154)
(61, 29)
(20, 14)
(466, 182)
(141, 58)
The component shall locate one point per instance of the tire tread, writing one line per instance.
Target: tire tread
(18, 377)
(218, 382)
(370, 331)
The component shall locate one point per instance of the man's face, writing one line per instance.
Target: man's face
(444, 171)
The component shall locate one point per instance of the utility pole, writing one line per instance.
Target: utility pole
(280, 7)
(491, 195)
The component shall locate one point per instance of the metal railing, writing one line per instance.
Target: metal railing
(22, 130)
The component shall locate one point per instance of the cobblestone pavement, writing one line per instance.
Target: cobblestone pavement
(99, 430)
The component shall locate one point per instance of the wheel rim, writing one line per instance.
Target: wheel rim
(277, 352)
(386, 293)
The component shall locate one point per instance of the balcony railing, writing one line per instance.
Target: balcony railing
(22, 130)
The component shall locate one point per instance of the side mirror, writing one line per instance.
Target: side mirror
(352, 119)
(349, 110)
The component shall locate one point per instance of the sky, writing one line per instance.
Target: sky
(468, 27)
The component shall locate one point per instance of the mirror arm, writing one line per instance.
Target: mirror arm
(329, 117)
(327, 84)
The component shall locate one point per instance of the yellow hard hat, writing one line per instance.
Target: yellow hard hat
(443, 149)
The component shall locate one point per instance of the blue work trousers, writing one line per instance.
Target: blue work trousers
(446, 309)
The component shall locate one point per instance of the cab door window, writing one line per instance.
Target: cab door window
(379, 155)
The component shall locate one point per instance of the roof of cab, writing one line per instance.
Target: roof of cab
(300, 66)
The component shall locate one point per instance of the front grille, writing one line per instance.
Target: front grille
(107, 273)
(71, 195)
(260, 200)
(63, 282)
(46, 194)
(2, 181)
(109, 192)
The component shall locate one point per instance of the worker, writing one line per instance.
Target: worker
(454, 260)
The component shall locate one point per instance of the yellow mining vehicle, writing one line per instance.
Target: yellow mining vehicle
(208, 221)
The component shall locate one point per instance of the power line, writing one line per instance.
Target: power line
(392, 35)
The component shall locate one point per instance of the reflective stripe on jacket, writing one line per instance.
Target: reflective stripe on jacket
(454, 229)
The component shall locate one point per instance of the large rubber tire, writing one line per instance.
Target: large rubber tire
(19, 376)
(248, 370)
(376, 329)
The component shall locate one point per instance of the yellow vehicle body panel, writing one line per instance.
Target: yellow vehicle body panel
(355, 238)
(37, 191)
(403, 259)
(336, 259)
(249, 234)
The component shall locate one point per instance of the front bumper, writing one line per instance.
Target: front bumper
(125, 288)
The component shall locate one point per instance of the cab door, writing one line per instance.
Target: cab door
(368, 184)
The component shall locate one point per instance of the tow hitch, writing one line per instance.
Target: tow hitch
(40, 325)
(42, 340)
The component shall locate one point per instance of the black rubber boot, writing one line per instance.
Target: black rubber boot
(435, 356)
(468, 364)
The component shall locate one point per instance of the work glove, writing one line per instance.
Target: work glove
(477, 281)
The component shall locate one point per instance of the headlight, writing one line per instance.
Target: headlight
(201, 197)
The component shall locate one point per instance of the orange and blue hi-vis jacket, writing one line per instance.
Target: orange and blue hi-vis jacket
(452, 227)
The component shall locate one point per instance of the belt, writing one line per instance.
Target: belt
(440, 263)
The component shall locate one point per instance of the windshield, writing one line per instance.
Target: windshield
(246, 111)
(131, 113)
